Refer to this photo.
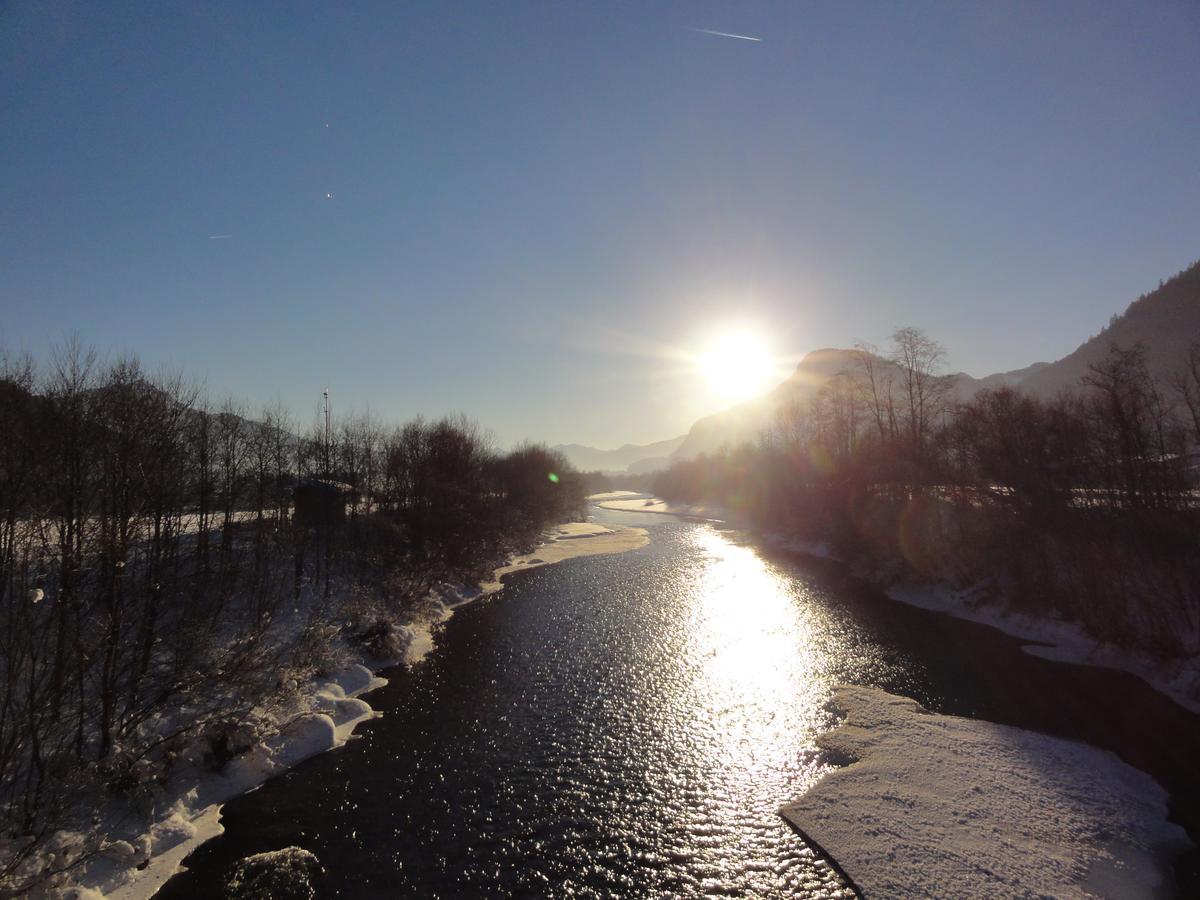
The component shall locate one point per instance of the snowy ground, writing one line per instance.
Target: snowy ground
(191, 804)
(135, 863)
(574, 539)
(632, 501)
(940, 806)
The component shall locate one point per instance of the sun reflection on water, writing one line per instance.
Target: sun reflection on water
(756, 699)
(757, 640)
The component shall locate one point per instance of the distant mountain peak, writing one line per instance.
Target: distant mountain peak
(642, 457)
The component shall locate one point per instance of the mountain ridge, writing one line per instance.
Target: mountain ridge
(591, 459)
(1164, 321)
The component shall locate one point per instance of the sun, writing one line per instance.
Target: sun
(738, 365)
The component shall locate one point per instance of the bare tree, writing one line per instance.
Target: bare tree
(1138, 441)
(923, 390)
(836, 412)
(1186, 383)
(877, 388)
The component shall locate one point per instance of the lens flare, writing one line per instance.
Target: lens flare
(738, 365)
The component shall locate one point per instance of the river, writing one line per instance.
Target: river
(631, 724)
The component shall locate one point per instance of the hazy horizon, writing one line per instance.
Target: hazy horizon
(537, 216)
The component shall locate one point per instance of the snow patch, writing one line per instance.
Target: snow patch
(136, 868)
(573, 530)
(172, 840)
(942, 806)
(569, 541)
(628, 501)
(289, 872)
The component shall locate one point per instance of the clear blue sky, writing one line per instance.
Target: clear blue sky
(534, 205)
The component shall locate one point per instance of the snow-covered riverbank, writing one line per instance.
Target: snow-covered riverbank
(934, 805)
(136, 861)
(631, 501)
(1050, 639)
(941, 806)
(1060, 641)
(569, 541)
(143, 852)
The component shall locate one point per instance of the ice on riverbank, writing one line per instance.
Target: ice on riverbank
(941, 806)
(570, 541)
(563, 542)
(631, 501)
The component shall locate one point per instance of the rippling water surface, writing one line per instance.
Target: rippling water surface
(616, 725)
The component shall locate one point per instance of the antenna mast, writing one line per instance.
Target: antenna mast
(326, 434)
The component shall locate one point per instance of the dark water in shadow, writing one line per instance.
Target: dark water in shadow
(631, 724)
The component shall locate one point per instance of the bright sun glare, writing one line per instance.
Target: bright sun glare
(738, 365)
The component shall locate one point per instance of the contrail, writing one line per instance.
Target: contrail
(740, 37)
(219, 237)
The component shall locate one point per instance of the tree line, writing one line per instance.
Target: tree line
(156, 582)
(1084, 507)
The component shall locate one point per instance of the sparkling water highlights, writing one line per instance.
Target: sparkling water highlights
(754, 696)
(630, 725)
(612, 725)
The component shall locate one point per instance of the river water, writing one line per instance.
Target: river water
(631, 724)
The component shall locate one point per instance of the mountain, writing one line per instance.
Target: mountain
(648, 465)
(1001, 379)
(1166, 321)
(642, 456)
(746, 421)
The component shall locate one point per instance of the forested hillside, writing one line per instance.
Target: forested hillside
(1165, 321)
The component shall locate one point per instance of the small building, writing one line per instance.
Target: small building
(321, 503)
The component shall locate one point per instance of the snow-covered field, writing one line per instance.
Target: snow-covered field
(137, 861)
(940, 806)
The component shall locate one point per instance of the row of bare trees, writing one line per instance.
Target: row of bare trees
(155, 583)
(1083, 507)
